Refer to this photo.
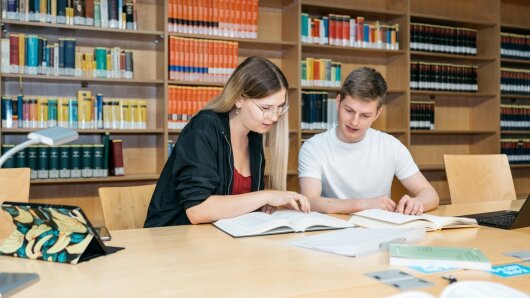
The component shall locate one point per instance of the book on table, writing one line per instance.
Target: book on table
(377, 218)
(281, 221)
(438, 256)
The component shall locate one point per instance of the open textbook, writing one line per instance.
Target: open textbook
(359, 241)
(377, 218)
(281, 221)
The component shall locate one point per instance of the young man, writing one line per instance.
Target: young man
(351, 167)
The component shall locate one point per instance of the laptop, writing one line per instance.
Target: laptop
(505, 219)
(55, 233)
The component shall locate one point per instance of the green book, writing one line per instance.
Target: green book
(98, 161)
(75, 161)
(53, 163)
(437, 256)
(86, 160)
(32, 160)
(64, 161)
(42, 161)
(20, 159)
(10, 162)
(105, 141)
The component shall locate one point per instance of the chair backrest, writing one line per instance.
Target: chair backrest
(125, 207)
(14, 186)
(479, 178)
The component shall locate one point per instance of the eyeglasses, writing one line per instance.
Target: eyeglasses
(269, 112)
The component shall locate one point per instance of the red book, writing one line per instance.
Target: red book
(116, 158)
(13, 50)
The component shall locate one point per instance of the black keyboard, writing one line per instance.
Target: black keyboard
(504, 220)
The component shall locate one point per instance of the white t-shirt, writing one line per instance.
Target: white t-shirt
(358, 170)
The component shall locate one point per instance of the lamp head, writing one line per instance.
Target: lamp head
(54, 136)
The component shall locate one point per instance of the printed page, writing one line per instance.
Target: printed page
(254, 223)
(301, 221)
(380, 224)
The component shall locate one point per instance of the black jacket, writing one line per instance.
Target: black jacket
(200, 165)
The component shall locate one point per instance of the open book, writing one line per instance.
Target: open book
(282, 221)
(377, 218)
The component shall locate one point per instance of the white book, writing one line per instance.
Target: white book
(377, 218)
(358, 241)
(282, 221)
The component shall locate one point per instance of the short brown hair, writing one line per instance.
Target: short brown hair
(365, 83)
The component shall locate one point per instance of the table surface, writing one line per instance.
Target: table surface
(202, 260)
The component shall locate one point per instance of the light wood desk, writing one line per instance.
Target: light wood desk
(203, 261)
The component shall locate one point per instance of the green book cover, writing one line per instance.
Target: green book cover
(53, 163)
(87, 152)
(42, 162)
(105, 141)
(453, 257)
(10, 162)
(75, 161)
(64, 161)
(20, 159)
(98, 161)
(32, 160)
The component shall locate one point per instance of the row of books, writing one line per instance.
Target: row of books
(34, 55)
(319, 110)
(443, 77)
(515, 81)
(515, 117)
(219, 18)
(518, 150)
(342, 30)
(201, 60)
(84, 112)
(422, 115)
(69, 161)
(515, 46)
(116, 14)
(321, 73)
(443, 39)
(186, 101)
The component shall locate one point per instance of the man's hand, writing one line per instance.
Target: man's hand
(408, 205)
(382, 202)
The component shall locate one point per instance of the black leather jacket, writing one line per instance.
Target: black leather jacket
(200, 165)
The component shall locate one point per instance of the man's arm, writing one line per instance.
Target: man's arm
(424, 197)
(312, 189)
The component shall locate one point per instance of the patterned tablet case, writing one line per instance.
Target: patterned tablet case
(52, 233)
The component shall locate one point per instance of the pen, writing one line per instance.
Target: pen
(450, 278)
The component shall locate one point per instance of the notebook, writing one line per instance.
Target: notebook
(505, 219)
(54, 233)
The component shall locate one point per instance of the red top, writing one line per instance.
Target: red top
(241, 184)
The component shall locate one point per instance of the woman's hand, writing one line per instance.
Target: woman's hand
(288, 199)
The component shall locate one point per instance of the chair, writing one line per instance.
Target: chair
(479, 178)
(14, 186)
(125, 207)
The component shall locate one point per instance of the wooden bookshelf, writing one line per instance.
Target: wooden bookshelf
(465, 122)
(514, 18)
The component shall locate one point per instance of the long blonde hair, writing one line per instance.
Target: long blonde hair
(257, 78)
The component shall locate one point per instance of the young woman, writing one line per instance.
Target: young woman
(217, 166)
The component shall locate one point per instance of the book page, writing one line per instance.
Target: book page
(403, 220)
(303, 221)
(380, 224)
(253, 223)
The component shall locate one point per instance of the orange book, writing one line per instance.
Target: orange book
(171, 17)
(234, 54)
(186, 60)
(215, 62)
(254, 18)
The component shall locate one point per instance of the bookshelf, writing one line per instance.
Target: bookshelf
(514, 18)
(465, 122)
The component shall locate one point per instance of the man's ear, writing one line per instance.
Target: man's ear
(337, 101)
(378, 112)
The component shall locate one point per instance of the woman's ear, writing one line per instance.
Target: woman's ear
(239, 103)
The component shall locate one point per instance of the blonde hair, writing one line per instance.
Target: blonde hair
(257, 78)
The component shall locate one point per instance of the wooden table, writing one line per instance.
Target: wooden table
(203, 261)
